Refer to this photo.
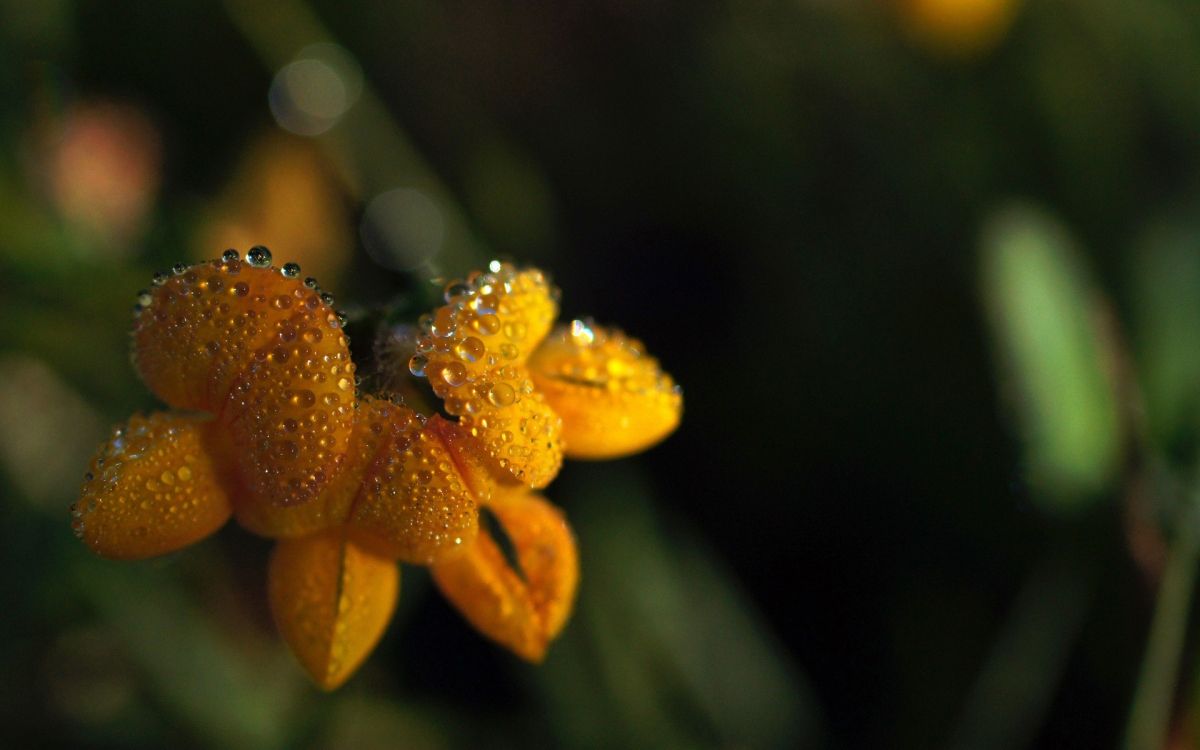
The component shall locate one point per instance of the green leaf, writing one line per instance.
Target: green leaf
(1046, 319)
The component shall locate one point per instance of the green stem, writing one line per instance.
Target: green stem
(1150, 715)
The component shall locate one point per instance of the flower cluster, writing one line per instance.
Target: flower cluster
(269, 427)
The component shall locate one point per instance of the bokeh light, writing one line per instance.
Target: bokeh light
(310, 94)
(402, 229)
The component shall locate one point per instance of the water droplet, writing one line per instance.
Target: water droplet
(303, 399)
(501, 394)
(259, 257)
(470, 349)
(184, 474)
(144, 298)
(179, 269)
(159, 278)
(231, 255)
(417, 365)
(311, 283)
(494, 266)
(515, 330)
(454, 374)
(454, 289)
(488, 324)
(241, 289)
(290, 270)
(443, 322)
(582, 333)
(486, 304)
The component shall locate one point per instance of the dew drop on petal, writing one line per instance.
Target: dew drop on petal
(417, 365)
(470, 349)
(259, 257)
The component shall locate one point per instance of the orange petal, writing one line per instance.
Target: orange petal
(152, 488)
(418, 502)
(522, 613)
(377, 423)
(523, 439)
(614, 398)
(331, 600)
(264, 351)
(472, 351)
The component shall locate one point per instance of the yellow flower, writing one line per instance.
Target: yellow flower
(529, 396)
(960, 28)
(351, 483)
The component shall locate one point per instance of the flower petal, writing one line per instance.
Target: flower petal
(418, 501)
(473, 351)
(523, 610)
(331, 600)
(152, 488)
(377, 423)
(267, 354)
(613, 397)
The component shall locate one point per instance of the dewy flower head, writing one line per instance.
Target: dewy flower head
(272, 431)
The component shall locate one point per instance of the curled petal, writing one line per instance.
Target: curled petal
(196, 330)
(377, 424)
(613, 397)
(152, 488)
(523, 610)
(331, 600)
(265, 352)
(473, 350)
(508, 311)
(418, 499)
(523, 439)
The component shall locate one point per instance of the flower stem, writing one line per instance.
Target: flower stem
(1150, 714)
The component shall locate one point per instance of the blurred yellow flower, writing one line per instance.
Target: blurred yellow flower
(350, 483)
(960, 28)
(287, 194)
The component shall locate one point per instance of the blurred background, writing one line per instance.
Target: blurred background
(927, 270)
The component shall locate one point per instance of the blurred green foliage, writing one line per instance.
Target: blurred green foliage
(896, 377)
(1046, 315)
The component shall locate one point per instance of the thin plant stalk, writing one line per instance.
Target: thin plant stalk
(1150, 714)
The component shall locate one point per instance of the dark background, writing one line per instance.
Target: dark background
(846, 543)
